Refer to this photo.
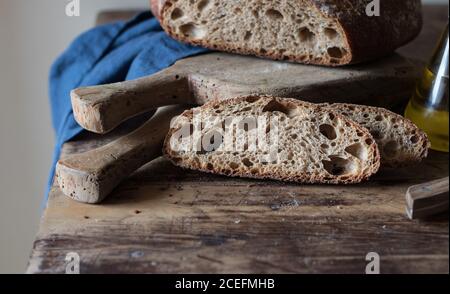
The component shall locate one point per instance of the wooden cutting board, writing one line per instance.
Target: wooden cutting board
(166, 220)
(387, 82)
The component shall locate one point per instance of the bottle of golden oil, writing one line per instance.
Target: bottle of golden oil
(428, 108)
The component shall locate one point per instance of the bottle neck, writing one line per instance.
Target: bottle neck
(439, 62)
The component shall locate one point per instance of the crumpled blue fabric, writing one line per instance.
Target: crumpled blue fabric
(109, 53)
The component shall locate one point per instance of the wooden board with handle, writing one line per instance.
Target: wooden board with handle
(90, 176)
(167, 220)
(195, 80)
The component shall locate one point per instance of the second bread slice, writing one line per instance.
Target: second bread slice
(272, 138)
(401, 142)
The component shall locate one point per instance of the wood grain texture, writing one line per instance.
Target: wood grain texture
(167, 220)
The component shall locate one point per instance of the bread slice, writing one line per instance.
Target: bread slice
(401, 142)
(325, 32)
(272, 138)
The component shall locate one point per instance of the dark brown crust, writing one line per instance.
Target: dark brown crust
(303, 178)
(423, 141)
(400, 21)
(367, 38)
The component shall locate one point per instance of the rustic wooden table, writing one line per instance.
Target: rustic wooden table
(166, 220)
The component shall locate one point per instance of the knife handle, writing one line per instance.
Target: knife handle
(89, 177)
(100, 109)
(427, 199)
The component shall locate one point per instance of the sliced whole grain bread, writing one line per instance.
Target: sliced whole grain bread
(272, 138)
(325, 32)
(400, 142)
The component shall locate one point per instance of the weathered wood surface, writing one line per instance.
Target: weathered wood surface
(166, 220)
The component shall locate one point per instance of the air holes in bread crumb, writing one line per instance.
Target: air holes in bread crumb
(252, 99)
(193, 31)
(176, 14)
(247, 162)
(328, 131)
(305, 35)
(247, 36)
(234, 165)
(273, 106)
(337, 166)
(202, 5)
(379, 118)
(358, 151)
(414, 139)
(330, 33)
(335, 52)
(274, 14)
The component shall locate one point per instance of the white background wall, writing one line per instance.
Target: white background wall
(32, 34)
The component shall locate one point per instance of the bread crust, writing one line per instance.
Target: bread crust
(299, 178)
(368, 38)
(400, 21)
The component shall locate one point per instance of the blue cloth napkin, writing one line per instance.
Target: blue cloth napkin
(107, 54)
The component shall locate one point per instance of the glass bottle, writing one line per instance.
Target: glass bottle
(428, 108)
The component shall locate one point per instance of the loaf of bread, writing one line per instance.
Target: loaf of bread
(400, 141)
(272, 138)
(324, 32)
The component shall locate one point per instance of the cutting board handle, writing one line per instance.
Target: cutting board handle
(100, 109)
(89, 177)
